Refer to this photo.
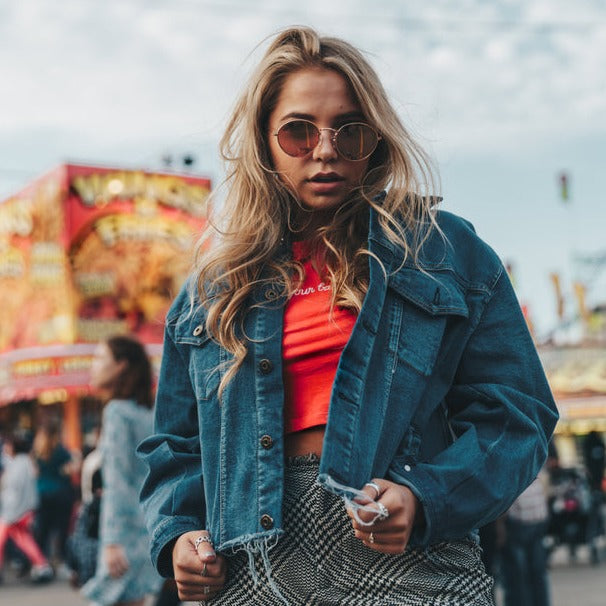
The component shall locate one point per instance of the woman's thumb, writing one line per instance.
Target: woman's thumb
(204, 548)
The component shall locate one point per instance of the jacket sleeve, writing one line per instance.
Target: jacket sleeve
(502, 414)
(172, 496)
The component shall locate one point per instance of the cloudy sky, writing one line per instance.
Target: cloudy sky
(504, 95)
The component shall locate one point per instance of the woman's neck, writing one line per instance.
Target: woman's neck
(306, 224)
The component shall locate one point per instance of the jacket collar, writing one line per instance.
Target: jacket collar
(429, 282)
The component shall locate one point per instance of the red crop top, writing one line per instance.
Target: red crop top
(312, 343)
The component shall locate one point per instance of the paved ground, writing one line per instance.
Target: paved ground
(572, 584)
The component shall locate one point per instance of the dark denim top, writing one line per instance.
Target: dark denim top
(439, 388)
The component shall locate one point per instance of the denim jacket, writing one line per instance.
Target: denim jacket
(439, 388)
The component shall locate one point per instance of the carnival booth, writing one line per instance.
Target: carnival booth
(87, 252)
(577, 376)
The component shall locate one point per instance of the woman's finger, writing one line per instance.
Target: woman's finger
(199, 592)
(380, 538)
(214, 572)
(199, 571)
(189, 555)
(204, 547)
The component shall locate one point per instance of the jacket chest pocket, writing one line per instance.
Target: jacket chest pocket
(422, 305)
(204, 354)
(417, 338)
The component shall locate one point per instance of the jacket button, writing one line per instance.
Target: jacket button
(266, 442)
(267, 521)
(265, 366)
(271, 294)
(407, 467)
(198, 330)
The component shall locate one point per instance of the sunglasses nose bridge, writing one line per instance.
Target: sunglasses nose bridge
(332, 137)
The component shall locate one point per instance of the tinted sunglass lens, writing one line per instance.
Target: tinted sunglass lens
(356, 141)
(298, 138)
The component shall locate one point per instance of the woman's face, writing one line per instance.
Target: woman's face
(321, 179)
(105, 370)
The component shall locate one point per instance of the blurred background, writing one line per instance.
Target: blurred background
(110, 115)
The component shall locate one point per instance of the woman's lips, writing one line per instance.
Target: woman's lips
(325, 183)
(326, 178)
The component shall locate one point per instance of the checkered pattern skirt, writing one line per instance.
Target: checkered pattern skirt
(319, 562)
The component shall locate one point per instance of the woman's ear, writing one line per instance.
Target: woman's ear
(122, 365)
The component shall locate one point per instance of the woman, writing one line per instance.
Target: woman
(18, 500)
(124, 574)
(55, 490)
(348, 388)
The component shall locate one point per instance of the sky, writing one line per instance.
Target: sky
(505, 96)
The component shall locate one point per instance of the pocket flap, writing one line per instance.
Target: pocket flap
(437, 292)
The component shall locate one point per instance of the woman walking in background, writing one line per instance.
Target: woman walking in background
(18, 500)
(122, 370)
(348, 386)
(55, 491)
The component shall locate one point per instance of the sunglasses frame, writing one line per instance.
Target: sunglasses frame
(333, 138)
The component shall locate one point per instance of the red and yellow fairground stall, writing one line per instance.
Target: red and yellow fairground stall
(86, 252)
(577, 377)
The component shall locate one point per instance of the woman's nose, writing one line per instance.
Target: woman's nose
(325, 150)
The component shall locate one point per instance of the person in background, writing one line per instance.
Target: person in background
(91, 463)
(523, 556)
(83, 543)
(594, 458)
(55, 491)
(122, 371)
(489, 541)
(348, 386)
(18, 501)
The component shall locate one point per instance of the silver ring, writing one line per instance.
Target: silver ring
(371, 537)
(383, 511)
(206, 589)
(375, 486)
(203, 572)
(202, 539)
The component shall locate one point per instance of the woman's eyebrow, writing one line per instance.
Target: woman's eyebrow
(298, 115)
(354, 115)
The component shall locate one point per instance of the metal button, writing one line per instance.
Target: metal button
(407, 468)
(271, 294)
(265, 366)
(198, 330)
(267, 521)
(266, 442)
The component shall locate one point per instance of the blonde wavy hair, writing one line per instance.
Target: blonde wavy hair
(241, 252)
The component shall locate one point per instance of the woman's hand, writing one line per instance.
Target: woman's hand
(389, 535)
(116, 560)
(199, 571)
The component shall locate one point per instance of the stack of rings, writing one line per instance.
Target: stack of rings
(203, 539)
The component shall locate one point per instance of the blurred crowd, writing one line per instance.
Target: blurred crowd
(37, 499)
(563, 507)
(51, 497)
(76, 515)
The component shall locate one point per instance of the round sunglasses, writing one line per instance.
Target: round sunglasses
(354, 141)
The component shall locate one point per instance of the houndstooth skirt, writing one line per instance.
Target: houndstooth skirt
(319, 562)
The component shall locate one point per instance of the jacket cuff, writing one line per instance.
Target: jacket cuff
(421, 533)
